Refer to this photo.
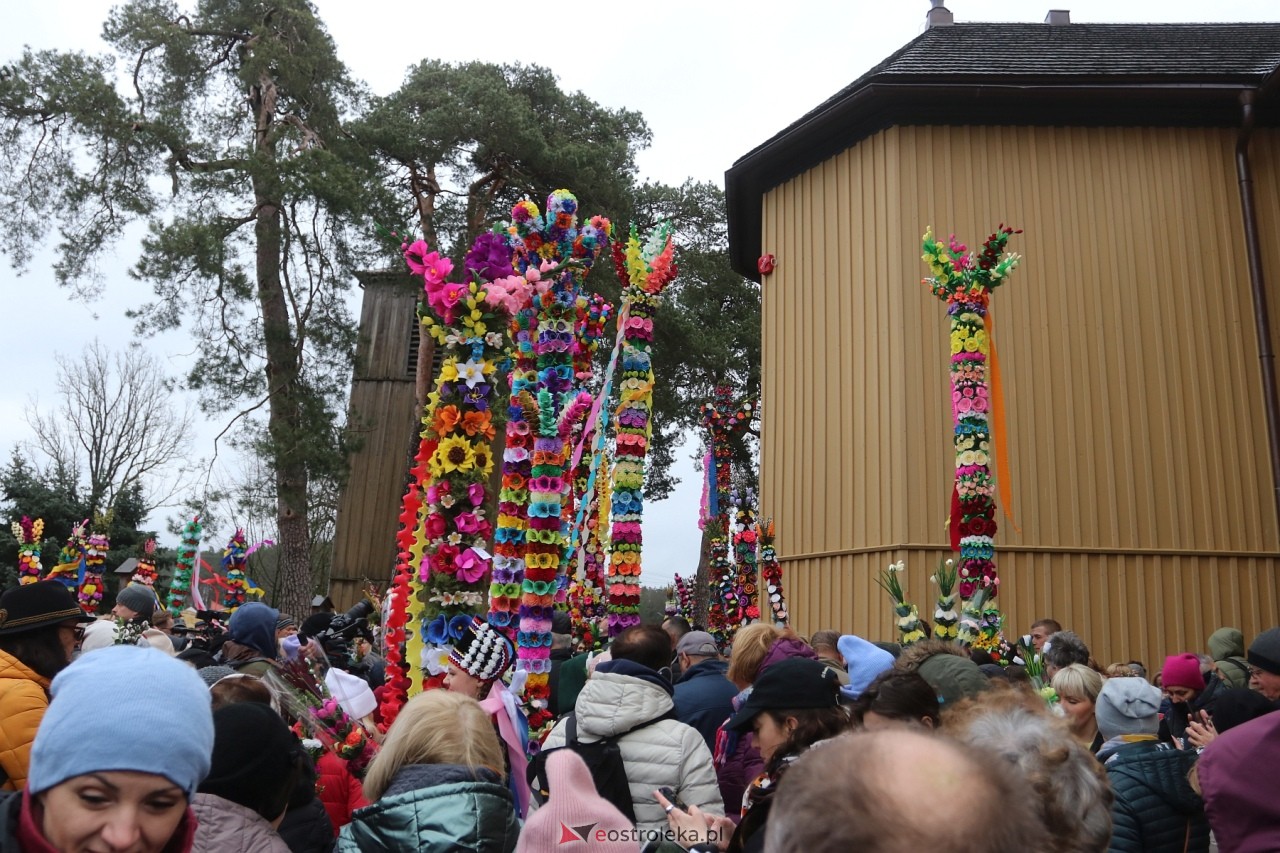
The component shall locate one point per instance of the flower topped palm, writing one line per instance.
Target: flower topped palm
(964, 282)
(946, 616)
(909, 630)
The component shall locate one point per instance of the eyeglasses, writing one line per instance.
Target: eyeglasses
(1254, 672)
(76, 627)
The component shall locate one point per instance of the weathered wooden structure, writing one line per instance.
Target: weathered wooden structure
(1138, 412)
(383, 413)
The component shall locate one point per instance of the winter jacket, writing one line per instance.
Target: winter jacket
(437, 808)
(224, 825)
(1155, 809)
(306, 828)
(668, 752)
(1226, 646)
(340, 792)
(558, 659)
(10, 809)
(24, 698)
(1235, 774)
(1180, 712)
(704, 698)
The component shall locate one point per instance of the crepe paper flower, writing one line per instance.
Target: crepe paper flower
(471, 372)
(454, 454)
(471, 566)
(444, 420)
(435, 659)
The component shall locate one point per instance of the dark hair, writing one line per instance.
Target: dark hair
(1052, 624)
(903, 696)
(647, 645)
(41, 650)
(812, 725)
(680, 623)
(1066, 648)
(237, 688)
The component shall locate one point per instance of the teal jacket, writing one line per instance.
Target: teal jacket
(440, 808)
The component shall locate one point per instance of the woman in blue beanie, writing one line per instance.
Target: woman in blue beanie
(129, 791)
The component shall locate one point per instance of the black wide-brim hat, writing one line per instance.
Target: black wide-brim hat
(790, 684)
(38, 605)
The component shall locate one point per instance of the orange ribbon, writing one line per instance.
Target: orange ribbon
(999, 435)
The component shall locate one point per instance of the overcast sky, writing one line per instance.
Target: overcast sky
(713, 79)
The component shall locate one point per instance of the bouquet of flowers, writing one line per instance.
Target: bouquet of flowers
(1035, 671)
(300, 684)
(145, 574)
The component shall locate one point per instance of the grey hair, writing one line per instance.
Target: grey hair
(1072, 792)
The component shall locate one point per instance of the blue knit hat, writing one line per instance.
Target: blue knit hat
(864, 661)
(157, 709)
(254, 625)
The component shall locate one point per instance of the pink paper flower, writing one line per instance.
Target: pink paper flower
(471, 566)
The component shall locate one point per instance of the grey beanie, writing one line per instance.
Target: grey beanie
(139, 598)
(1127, 706)
(1264, 651)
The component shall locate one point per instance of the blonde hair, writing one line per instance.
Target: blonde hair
(750, 645)
(1078, 682)
(435, 727)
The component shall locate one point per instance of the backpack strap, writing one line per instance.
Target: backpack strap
(571, 729)
(1235, 661)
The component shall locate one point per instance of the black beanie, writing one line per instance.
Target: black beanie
(255, 759)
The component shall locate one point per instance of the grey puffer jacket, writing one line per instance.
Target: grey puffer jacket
(436, 808)
(223, 825)
(667, 752)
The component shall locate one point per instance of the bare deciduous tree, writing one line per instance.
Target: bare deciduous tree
(114, 426)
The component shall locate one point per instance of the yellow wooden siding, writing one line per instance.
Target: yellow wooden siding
(1126, 339)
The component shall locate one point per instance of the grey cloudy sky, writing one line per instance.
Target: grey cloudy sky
(713, 79)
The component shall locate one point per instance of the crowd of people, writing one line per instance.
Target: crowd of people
(146, 732)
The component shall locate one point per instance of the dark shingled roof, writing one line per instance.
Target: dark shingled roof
(1035, 74)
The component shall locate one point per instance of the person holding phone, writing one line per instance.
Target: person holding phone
(1192, 693)
(793, 707)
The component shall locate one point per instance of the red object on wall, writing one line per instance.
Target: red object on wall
(766, 264)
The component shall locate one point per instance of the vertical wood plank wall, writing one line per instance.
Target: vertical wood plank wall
(1126, 340)
(382, 416)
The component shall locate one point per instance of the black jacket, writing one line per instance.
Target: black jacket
(1155, 809)
(10, 807)
(1180, 713)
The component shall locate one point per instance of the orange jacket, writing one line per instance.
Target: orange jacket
(24, 698)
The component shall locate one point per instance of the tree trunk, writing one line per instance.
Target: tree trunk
(284, 408)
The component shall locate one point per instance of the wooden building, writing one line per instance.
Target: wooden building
(1141, 429)
(384, 403)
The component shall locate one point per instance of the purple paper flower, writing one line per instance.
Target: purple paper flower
(489, 258)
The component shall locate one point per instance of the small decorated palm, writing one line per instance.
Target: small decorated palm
(909, 630)
(946, 615)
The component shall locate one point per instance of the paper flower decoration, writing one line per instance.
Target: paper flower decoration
(908, 619)
(234, 557)
(28, 534)
(145, 573)
(180, 588)
(771, 574)
(95, 555)
(964, 282)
